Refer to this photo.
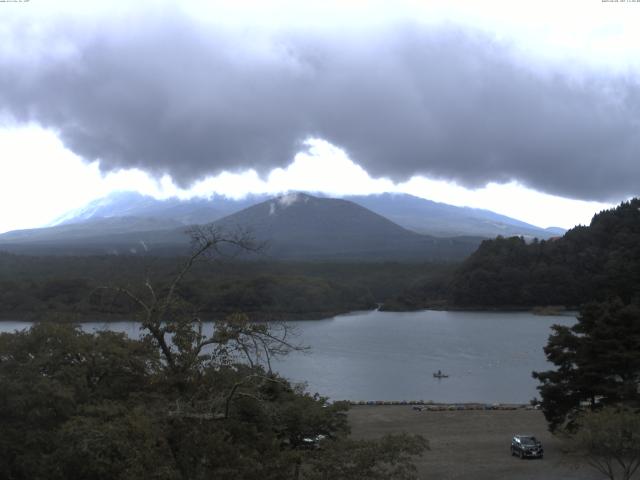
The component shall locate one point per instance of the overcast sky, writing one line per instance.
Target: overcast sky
(531, 110)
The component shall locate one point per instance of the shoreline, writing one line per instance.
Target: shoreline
(74, 317)
(541, 310)
(256, 316)
(430, 406)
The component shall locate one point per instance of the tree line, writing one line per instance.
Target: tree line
(39, 287)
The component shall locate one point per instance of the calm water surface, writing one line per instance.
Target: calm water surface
(374, 355)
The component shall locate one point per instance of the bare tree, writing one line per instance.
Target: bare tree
(609, 439)
(176, 329)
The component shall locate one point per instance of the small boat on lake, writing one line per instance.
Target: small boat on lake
(439, 374)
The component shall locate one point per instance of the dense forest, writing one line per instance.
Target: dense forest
(71, 287)
(588, 263)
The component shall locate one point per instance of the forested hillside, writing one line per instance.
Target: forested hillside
(33, 287)
(588, 263)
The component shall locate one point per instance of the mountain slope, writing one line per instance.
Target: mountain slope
(94, 227)
(417, 214)
(442, 220)
(303, 226)
(131, 204)
(295, 226)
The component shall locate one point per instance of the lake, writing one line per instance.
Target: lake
(489, 356)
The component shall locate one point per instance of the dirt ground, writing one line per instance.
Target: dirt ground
(472, 444)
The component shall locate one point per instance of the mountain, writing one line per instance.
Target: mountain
(128, 222)
(90, 228)
(186, 212)
(556, 231)
(118, 235)
(413, 213)
(295, 226)
(442, 220)
(300, 226)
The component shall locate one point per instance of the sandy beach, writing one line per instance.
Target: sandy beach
(472, 444)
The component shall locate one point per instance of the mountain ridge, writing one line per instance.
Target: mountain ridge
(411, 212)
(300, 225)
(297, 226)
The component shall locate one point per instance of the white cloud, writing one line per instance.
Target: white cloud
(511, 199)
(40, 180)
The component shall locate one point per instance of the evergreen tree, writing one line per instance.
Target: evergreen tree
(586, 264)
(597, 362)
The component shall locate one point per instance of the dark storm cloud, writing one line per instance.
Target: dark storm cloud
(168, 96)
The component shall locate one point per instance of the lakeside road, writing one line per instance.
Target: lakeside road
(472, 444)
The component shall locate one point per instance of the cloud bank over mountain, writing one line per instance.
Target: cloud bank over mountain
(170, 95)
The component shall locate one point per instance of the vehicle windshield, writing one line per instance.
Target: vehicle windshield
(528, 440)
